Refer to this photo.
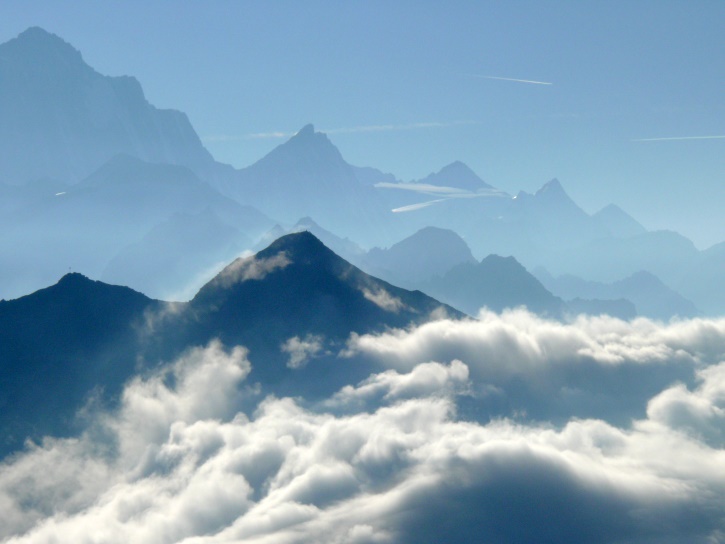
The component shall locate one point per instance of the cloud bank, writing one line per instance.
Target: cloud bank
(396, 458)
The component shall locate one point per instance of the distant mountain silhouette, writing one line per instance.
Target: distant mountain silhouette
(430, 252)
(651, 297)
(307, 176)
(702, 281)
(89, 223)
(457, 175)
(177, 255)
(81, 339)
(497, 283)
(62, 119)
(618, 222)
(620, 308)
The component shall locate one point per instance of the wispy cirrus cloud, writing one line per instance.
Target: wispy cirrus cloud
(679, 138)
(512, 79)
(278, 134)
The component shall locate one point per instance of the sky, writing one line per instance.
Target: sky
(621, 101)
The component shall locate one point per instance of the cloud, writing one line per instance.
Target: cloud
(676, 138)
(396, 127)
(530, 81)
(302, 350)
(519, 363)
(424, 380)
(252, 268)
(382, 299)
(179, 461)
(283, 134)
(419, 206)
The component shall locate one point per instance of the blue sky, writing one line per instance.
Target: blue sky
(408, 87)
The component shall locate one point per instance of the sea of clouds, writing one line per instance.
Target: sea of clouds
(509, 428)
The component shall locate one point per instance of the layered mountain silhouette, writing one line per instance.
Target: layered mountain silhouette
(497, 283)
(79, 340)
(430, 252)
(344, 247)
(650, 296)
(307, 176)
(89, 170)
(177, 256)
(457, 175)
(90, 223)
(51, 100)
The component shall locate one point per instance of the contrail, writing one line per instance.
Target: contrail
(679, 138)
(341, 130)
(533, 82)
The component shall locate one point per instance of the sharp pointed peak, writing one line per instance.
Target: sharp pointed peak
(552, 189)
(550, 186)
(306, 130)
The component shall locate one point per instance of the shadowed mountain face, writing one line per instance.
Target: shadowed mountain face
(51, 100)
(56, 346)
(297, 287)
(293, 305)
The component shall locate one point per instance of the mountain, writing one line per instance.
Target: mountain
(702, 281)
(496, 283)
(618, 222)
(458, 176)
(89, 223)
(430, 252)
(59, 345)
(651, 297)
(62, 119)
(177, 256)
(344, 247)
(307, 176)
(298, 288)
(666, 254)
(294, 305)
(620, 308)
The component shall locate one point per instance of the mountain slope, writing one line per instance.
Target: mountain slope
(496, 283)
(297, 287)
(60, 344)
(294, 305)
(307, 176)
(430, 252)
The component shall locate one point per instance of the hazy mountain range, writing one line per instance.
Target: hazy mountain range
(305, 350)
(96, 179)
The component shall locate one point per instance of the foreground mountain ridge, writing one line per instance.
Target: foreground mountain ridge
(97, 336)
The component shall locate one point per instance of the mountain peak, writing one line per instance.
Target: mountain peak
(298, 244)
(307, 130)
(458, 175)
(36, 46)
(551, 187)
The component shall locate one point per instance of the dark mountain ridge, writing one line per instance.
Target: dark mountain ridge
(79, 339)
